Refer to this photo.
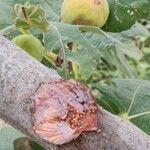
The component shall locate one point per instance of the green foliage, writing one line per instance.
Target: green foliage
(7, 136)
(12, 139)
(130, 99)
(29, 16)
(25, 143)
(124, 13)
(91, 47)
(6, 13)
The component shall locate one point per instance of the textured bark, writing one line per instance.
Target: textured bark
(20, 78)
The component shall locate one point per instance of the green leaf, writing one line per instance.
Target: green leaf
(91, 47)
(29, 16)
(119, 41)
(130, 99)
(60, 34)
(147, 58)
(87, 63)
(129, 48)
(7, 13)
(25, 143)
(7, 136)
(146, 75)
(136, 30)
(124, 13)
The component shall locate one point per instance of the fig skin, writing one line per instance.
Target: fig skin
(85, 12)
(31, 45)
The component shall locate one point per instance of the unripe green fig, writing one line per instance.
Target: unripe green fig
(31, 45)
(85, 12)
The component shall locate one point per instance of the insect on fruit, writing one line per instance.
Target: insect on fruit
(62, 110)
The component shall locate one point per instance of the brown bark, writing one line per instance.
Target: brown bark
(20, 78)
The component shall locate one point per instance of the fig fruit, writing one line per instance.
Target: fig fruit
(31, 45)
(85, 12)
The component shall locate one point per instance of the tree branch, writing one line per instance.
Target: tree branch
(20, 78)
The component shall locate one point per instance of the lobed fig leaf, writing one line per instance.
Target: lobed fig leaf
(128, 98)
